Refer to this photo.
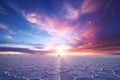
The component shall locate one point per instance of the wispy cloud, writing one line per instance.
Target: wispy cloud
(9, 37)
(2, 10)
(5, 27)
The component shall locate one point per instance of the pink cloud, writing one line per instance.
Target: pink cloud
(90, 6)
(50, 24)
(85, 33)
(64, 28)
(62, 31)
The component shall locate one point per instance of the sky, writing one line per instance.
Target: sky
(66, 26)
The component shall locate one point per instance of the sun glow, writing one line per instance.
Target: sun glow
(61, 49)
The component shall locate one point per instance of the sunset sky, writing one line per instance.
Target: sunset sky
(48, 26)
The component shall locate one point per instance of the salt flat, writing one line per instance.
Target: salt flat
(42, 67)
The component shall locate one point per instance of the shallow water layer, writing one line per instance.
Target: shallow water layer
(47, 67)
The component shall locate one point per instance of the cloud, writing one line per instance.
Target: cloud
(77, 26)
(9, 37)
(61, 30)
(32, 17)
(2, 10)
(111, 46)
(5, 27)
(65, 30)
(87, 6)
(23, 50)
(71, 13)
(52, 25)
(90, 6)
(22, 44)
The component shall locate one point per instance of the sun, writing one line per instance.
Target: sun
(61, 49)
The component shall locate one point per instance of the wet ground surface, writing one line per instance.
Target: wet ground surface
(67, 68)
